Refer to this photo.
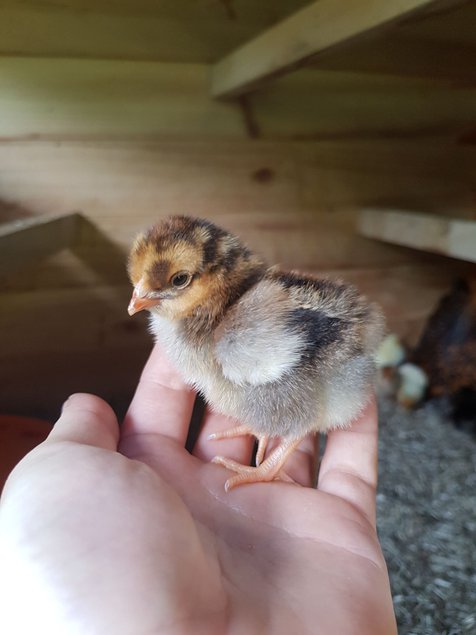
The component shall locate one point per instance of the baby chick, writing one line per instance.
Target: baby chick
(284, 353)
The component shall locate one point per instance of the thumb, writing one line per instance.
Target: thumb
(87, 420)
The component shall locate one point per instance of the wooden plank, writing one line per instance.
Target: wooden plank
(446, 236)
(166, 31)
(328, 105)
(44, 98)
(314, 29)
(94, 100)
(292, 201)
(58, 342)
(27, 241)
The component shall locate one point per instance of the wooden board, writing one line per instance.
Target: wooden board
(169, 30)
(68, 340)
(66, 97)
(329, 105)
(294, 202)
(446, 236)
(59, 99)
(317, 27)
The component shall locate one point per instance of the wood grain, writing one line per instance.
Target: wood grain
(100, 98)
(302, 215)
(168, 31)
(103, 100)
(71, 340)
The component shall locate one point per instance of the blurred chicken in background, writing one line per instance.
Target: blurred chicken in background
(399, 378)
(443, 364)
(447, 350)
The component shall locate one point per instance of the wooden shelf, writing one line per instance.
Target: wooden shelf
(446, 236)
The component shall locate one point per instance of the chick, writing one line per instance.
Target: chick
(413, 383)
(284, 353)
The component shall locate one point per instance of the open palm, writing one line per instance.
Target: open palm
(145, 540)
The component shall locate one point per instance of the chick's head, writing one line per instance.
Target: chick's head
(183, 264)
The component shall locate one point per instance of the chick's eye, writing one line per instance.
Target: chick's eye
(181, 279)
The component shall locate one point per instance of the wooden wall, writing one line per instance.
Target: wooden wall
(125, 143)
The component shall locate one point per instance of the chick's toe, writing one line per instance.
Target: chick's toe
(269, 470)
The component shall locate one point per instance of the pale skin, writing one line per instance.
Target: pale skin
(115, 531)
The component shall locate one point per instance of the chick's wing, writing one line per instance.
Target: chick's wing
(255, 343)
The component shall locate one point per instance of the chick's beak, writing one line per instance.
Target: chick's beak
(139, 303)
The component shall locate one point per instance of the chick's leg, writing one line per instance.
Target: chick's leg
(267, 471)
(262, 443)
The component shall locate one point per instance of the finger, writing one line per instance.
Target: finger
(88, 420)
(239, 449)
(349, 464)
(162, 404)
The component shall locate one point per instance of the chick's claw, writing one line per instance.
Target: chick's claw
(230, 433)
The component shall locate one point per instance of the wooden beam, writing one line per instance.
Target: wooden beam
(446, 236)
(310, 31)
(31, 239)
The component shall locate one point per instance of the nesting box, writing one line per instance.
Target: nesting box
(339, 142)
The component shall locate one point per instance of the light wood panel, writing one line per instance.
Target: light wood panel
(71, 340)
(328, 105)
(449, 237)
(90, 319)
(294, 202)
(65, 97)
(163, 30)
(60, 99)
(312, 30)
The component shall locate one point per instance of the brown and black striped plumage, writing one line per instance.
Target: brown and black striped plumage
(283, 353)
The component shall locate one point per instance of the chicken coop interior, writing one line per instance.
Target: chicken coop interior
(335, 137)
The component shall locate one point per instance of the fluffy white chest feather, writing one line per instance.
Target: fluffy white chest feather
(194, 363)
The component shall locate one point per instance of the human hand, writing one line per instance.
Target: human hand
(121, 531)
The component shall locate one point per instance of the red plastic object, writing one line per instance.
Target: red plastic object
(18, 435)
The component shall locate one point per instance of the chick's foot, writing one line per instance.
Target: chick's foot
(240, 431)
(267, 471)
